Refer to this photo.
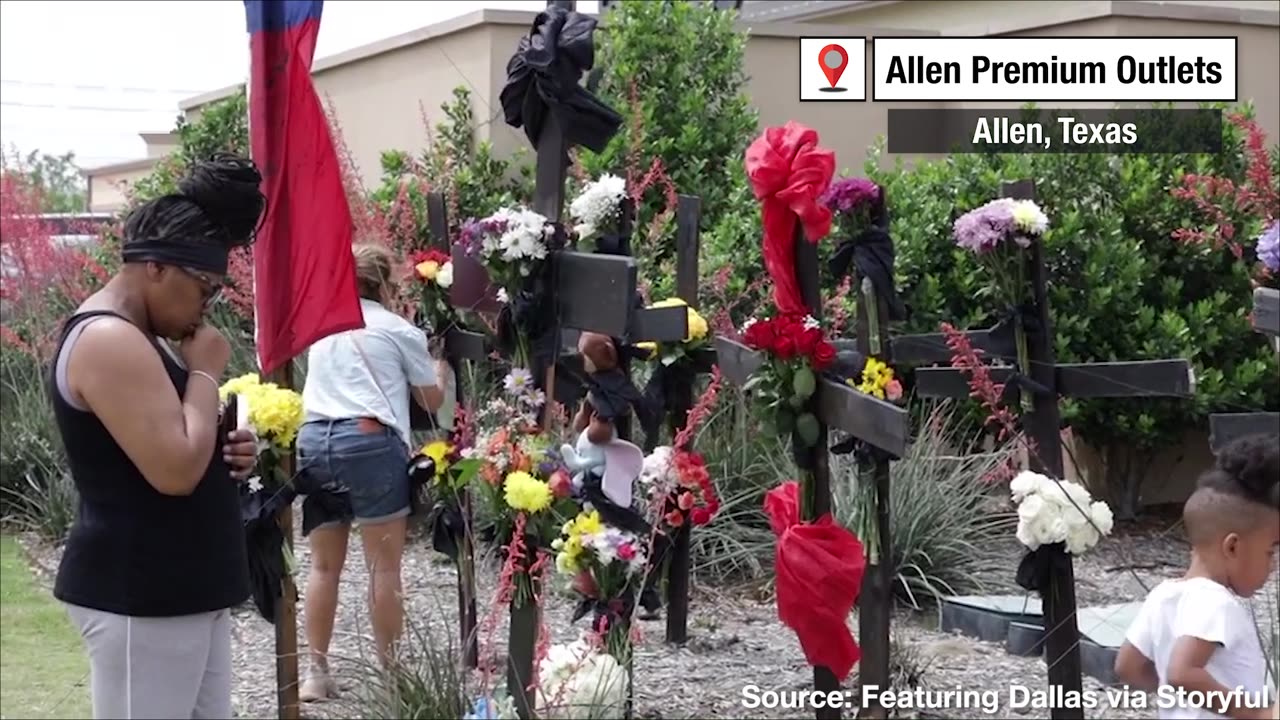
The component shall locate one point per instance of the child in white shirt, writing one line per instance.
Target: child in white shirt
(1194, 642)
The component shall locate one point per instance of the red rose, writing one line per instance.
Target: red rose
(824, 353)
(785, 347)
(561, 486)
(675, 518)
(808, 340)
(759, 336)
(626, 551)
(700, 516)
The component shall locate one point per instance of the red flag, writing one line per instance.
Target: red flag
(303, 270)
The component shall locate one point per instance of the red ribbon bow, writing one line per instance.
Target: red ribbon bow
(819, 574)
(789, 173)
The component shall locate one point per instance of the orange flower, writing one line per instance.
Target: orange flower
(490, 473)
(520, 460)
(685, 500)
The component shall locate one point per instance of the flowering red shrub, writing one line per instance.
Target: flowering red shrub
(1220, 198)
(43, 279)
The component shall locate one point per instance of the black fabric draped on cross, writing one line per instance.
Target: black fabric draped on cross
(204, 257)
(606, 614)
(1036, 571)
(1003, 342)
(445, 519)
(871, 252)
(265, 540)
(260, 514)
(531, 312)
(612, 514)
(543, 77)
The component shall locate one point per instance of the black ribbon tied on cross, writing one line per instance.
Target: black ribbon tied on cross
(1036, 571)
(448, 527)
(871, 252)
(259, 512)
(265, 541)
(1003, 342)
(606, 614)
(531, 312)
(543, 79)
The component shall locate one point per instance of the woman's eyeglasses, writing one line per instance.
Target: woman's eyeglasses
(210, 288)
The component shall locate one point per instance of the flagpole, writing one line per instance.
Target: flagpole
(286, 615)
(287, 612)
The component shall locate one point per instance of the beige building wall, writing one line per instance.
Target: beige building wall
(108, 186)
(386, 94)
(160, 144)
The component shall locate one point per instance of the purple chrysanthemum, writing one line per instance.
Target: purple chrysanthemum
(473, 232)
(983, 229)
(848, 194)
(1268, 247)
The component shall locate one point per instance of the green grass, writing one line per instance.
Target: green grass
(42, 660)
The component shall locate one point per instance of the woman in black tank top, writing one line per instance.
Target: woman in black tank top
(156, 555)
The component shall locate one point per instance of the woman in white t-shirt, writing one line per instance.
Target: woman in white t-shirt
(356, 442)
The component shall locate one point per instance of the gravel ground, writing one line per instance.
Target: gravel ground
(735, 638)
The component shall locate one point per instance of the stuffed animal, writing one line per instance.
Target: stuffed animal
(604, 467)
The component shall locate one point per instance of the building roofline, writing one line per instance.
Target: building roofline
(1080, 12)
(158, 137)
(804, 10)
(775, 10)
(126, 166)
(461, 23)
(525, 18)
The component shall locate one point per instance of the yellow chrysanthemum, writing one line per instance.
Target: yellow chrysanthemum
(427, 270)
(276, 413)
(525, 492)
(697, 326)
(238, 386)
(438, 451)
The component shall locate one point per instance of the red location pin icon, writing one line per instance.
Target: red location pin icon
(833, 60)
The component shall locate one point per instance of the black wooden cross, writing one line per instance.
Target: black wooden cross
(1227, 427)
(592, 292)
(879, 424)
(461, 346)
(875, 600)
(1153, 378)
(688, 247)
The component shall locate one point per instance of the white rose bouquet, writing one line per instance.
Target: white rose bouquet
(1052, 512)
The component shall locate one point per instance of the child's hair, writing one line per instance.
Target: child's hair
(1239, 492)
(1249, 468)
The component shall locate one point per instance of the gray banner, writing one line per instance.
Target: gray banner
(1015, 130)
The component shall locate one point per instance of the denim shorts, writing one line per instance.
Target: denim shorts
(366, 460)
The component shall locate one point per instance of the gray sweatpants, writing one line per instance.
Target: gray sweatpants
(166, 667)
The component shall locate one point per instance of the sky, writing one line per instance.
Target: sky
(87, 77)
